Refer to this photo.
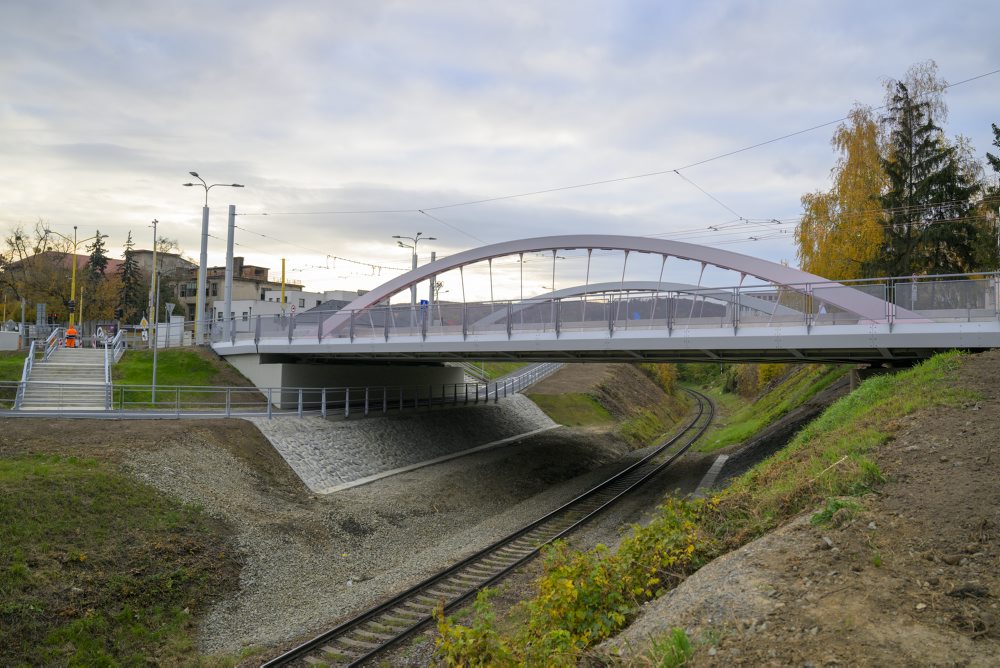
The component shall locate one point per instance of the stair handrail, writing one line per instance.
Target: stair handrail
(118, 345)
(53, 341)
(29, 362)
(107, 377)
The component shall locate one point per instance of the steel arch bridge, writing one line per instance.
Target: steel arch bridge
(786, 315)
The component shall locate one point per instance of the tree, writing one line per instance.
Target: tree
(132, 295)
(929, 227)
(98, 261)
(841, 228)
(990, 158)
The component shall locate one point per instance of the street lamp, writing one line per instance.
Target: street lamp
(413, 264)
(199, 323)
(72, 289)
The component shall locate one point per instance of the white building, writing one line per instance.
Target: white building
(296, 301)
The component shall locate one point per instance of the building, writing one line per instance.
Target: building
(250, 284)
(296, 301)
(171, 265)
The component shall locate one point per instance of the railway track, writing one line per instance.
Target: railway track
(372, 632)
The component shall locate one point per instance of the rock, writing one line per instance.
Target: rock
(827, 543)
(943, 459)
(969, 591)
(871, 525)
(933, 581)
(951, 559)
(921, 606)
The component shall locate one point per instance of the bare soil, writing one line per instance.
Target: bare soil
(910, 579)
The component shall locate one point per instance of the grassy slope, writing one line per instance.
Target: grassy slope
(639, 425)
(11, 365)
(176, 366)
(96, 569)
(741, 419)
(585, 597)
(573, 410)
(496, 370)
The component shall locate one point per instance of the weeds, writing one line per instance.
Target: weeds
(586, 597)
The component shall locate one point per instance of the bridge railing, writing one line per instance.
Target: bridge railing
(906, 299)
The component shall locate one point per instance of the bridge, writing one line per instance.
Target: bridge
(774, 313)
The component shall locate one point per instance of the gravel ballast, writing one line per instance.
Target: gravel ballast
(310, 560)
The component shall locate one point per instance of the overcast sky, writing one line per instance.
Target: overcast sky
(369, 105)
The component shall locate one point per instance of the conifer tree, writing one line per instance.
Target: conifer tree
(132, 295)
(928, 225)
(992, 159)
(98, 261)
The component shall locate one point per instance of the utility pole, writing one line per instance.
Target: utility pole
(226, 319)
(152, 294)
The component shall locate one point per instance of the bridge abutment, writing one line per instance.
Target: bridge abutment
(411, 381)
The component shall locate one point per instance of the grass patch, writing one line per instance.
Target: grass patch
(174, 366)
(585, 597)
(494, 370)
(744, 420)
(97, 569)
(670, 650)
(572, 410)
(834, 506)
(642, 429)
(12, 365)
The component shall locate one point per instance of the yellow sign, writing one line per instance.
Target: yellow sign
(144, 323)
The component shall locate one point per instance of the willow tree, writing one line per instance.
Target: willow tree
(841, 228)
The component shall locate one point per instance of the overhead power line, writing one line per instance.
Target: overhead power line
(590, 184)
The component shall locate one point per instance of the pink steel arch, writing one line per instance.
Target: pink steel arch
(851, 300)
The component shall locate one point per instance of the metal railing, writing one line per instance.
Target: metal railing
(951, 298)
(54, 341)
(29, 363)
(180, 401)
(196, 400)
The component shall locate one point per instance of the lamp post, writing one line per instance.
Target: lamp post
(72, 289)
(413, 265)
(199, 323)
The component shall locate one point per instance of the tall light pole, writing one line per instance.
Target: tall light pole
(199, 324)
(72, 289)
(413, 265)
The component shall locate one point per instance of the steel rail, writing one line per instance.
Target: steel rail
(370, 633)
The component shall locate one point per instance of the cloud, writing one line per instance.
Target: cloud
(321, 106)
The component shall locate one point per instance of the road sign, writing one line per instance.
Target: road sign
(293, 309)
(144, 323)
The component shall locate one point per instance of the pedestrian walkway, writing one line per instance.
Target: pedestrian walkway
(70, 379)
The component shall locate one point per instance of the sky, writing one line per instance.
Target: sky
(323, 108)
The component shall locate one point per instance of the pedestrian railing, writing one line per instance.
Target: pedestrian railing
(193, 400)
(54, 341)
(952, 298)
(29, 363)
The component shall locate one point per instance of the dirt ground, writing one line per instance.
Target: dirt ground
(910, 579)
